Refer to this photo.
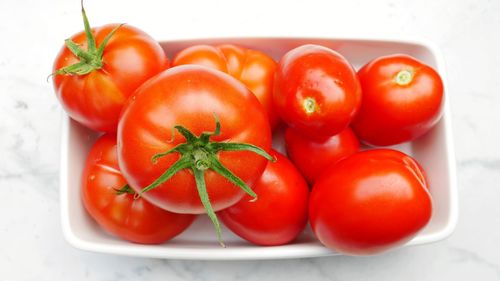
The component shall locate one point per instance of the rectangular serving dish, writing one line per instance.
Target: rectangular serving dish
(434, 151)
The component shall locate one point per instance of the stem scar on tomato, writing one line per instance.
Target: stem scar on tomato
(404, 77)
(309, 104)
(200, 154)
(90, 59)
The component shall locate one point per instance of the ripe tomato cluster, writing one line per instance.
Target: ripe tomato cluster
(194, 136)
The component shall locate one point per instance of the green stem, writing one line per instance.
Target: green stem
(205, 137)
(199, 176)
(125, 189)
(231, 146)
(90, 59)
(200, 154)
(217, 166)
(76, 50)
(91, 46)
(157, 156)
(181, 164)
(190, 137)
(100, 51)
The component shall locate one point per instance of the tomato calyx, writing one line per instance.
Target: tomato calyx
(90, 59)
(200, 154)
(404, 77)
(125, 189)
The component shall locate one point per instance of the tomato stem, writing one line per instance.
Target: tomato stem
(200, 154)
(90, 59)
(124, 189)
(199, 176)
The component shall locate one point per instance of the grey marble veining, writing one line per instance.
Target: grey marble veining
(31, 32)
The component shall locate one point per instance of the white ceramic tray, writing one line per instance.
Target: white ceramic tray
(434, 151)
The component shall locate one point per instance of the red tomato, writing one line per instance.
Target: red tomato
(370, 202)
(402, 100)
(311, 156)
(317, 91)
(207, 165)
(93, 87)
(255, 69)
(119, 213)
(279, 214)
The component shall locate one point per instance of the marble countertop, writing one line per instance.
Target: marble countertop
(32, 246)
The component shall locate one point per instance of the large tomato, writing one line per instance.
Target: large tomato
(110, 201)
(280, 213)
(207, 165)
(402, 100)
(255, 69)
(312, 156)
(99, 69)
(370, 202)
(317, 91)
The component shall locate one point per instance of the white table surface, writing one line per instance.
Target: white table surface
(31, 243)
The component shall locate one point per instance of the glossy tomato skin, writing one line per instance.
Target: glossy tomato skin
(317, 91)
(279, 214)
(253, 68)
(96, 99)
(312, 155)
(370, 202)
(392, 113)
(206, 55)
(131, 219)
(190, 95)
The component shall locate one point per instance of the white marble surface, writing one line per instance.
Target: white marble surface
(31, 243)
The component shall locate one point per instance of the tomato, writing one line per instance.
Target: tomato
(317, 91)
(111, 203)
(312, 156)
(94, 79)
(402, 100)
(370, 202)
(174, 170)
(279, 214)
(255, 69)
